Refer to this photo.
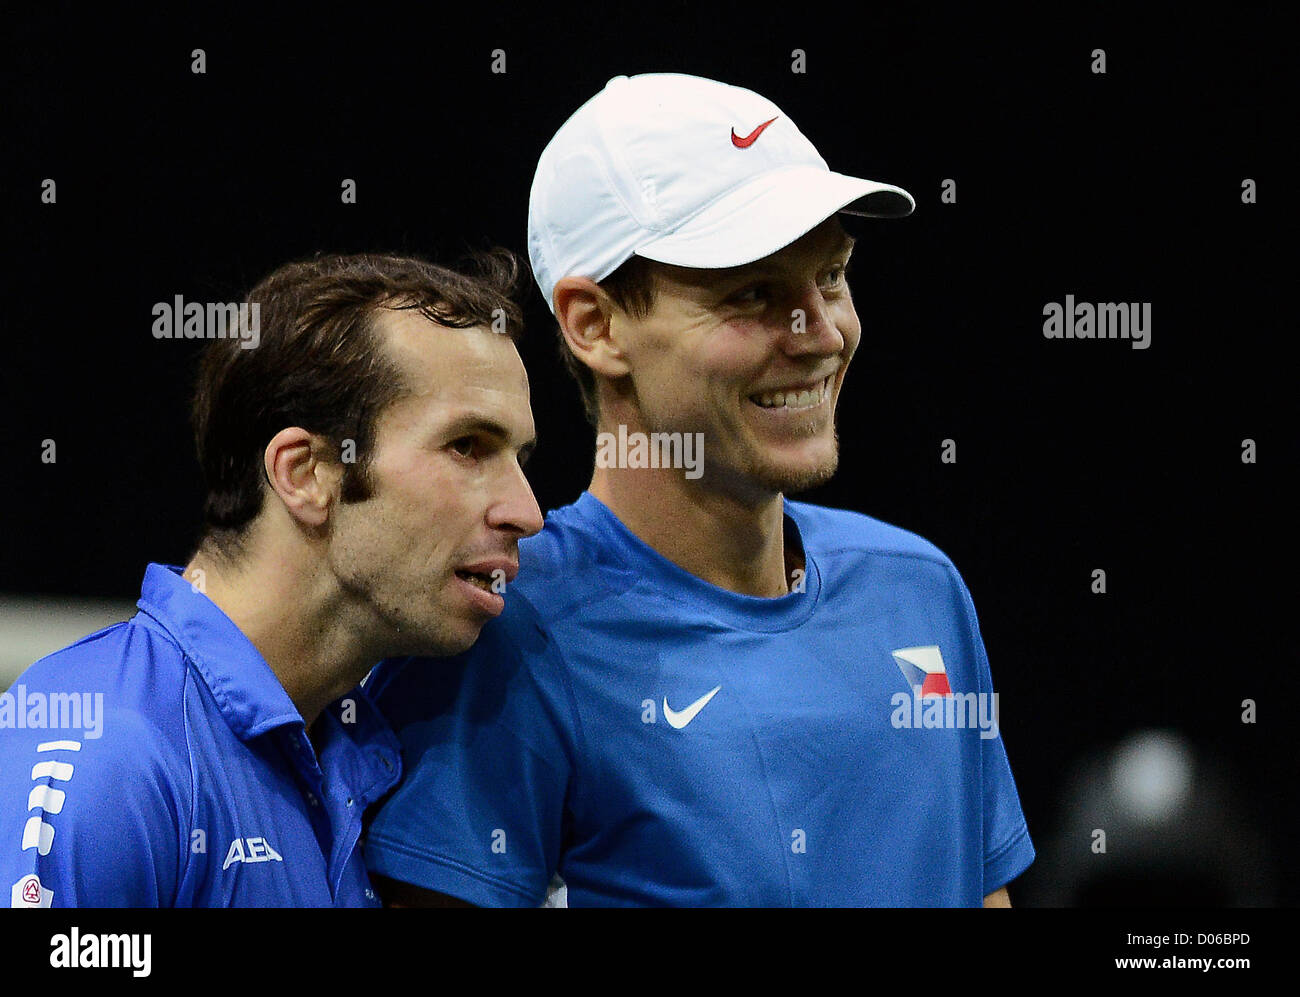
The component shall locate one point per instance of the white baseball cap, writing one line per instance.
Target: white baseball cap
(682, 170)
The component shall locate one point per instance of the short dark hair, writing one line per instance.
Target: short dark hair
(632, 288)
(319, 364)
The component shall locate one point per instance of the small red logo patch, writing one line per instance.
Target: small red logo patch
(32, 892)
(748, 140)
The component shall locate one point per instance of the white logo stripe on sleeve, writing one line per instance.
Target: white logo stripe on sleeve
(55, 770)
(46, 798)
(58, 746)
(39, 835)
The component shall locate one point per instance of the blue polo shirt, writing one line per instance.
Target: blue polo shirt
(160, 763)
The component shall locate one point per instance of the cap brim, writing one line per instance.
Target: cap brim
(768, 214)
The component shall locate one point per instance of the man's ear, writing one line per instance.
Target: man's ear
(585, 313)
(301, 473)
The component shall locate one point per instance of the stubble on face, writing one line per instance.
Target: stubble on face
(694, 338)
(395, 554)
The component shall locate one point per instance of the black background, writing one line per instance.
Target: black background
(1072, 455)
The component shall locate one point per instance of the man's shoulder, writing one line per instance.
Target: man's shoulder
(569, 564)
(825, 530)
(123, 686)
(95, 774)
(136, 659)
(516, 645)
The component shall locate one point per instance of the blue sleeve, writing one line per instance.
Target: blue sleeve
(89, 822)
(487, 759)
(1008, 850)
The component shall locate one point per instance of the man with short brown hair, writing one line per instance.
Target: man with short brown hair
(365, 499)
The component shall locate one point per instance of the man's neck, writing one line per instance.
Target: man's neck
(733, 544)
(296, 619)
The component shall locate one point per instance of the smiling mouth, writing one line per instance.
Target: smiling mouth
(795, 399)
(478, 580)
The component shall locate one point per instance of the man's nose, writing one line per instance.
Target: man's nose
(812, 329)
(516, 508)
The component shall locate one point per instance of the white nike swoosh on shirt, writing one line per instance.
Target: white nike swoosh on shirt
(680, 720)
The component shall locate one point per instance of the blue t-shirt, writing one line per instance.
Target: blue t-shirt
(657, 740)
(160, 763)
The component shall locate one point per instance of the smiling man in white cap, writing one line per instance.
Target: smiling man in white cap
(702, 692)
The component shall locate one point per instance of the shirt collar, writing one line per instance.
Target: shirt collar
(732, 609)
(247, 692)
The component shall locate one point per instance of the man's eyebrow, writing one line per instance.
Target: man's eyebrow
(468, 424)
(746, 270)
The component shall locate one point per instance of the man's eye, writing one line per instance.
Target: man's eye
(836, 278)
(752, 295)
(464, 446)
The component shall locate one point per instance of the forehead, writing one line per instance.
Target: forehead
(459, 368)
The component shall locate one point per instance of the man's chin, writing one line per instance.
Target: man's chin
(792, 481)
(461, 642)
(443, 644)
(792, 477)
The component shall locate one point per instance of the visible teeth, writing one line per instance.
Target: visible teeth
(794, 399)
(481, 581)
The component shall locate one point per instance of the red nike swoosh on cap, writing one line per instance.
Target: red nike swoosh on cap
(748, 140)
